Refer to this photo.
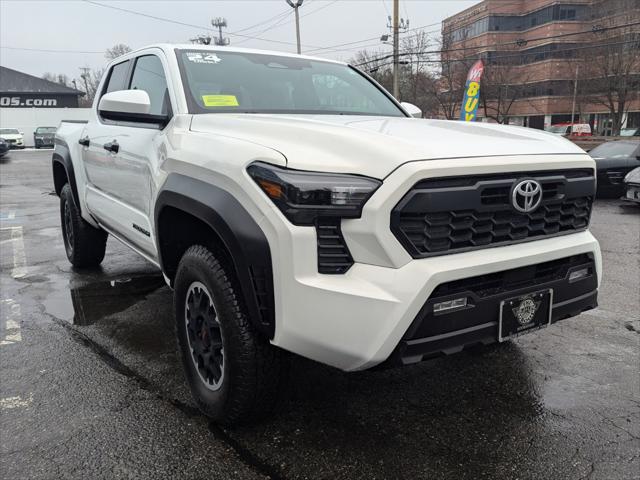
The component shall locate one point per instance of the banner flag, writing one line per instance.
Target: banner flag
(472, 93)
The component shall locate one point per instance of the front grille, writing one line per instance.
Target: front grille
(333, 254)
(457, 214)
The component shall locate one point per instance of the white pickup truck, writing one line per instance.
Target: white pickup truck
(293, 204)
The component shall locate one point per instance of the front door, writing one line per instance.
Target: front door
(121, 158)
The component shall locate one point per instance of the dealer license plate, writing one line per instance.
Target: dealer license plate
(524, 314)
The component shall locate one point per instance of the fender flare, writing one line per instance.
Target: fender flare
(62, 156)
(242, 237)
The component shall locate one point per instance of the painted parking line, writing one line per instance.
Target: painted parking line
(11, 311)
(12, 315)
(8, 403)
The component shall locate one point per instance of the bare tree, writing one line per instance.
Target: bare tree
(610, 71)
(116, 51)
(60, 78)
(448, 79)
(503, 83)
(376, 63)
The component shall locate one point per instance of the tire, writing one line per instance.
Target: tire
(84, 244)
(234, 373)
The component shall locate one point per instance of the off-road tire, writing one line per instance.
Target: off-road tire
(84, 244)
(253, 369)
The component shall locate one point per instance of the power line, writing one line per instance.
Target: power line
(50, 50)
(284, 13)
(185, 24)
(515, 42)
(514, 55)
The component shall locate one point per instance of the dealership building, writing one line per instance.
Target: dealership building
(28, 102)
(547, 47)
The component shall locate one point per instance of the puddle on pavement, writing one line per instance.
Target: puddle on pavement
(86, 304)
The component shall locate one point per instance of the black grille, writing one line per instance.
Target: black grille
(512, 280)
(457, 214)
(333, 253)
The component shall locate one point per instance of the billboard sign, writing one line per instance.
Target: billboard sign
(28, 100)
(472, 93)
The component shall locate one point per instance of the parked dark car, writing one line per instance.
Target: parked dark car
(613, 161)
(4, 147)
(632, 186)
(43, 136)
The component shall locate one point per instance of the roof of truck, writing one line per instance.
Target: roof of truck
(167, 47)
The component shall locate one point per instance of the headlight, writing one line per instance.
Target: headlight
(304, 196)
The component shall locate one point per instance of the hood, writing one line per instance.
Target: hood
(12, 136)
(375, 146)
(633, 176)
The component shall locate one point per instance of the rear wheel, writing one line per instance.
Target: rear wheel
(84, 244)
(234, 373)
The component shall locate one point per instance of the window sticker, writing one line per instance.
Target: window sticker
(220, 101)
(203, 57)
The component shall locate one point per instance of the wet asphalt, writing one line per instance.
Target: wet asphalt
(91, 387)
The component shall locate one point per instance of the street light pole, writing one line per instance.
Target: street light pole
(575, 91)
(296, 5)
(396, 49)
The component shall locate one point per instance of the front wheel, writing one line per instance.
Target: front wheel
(234, 373)
(84, 244)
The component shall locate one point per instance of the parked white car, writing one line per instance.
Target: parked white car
(13, 137)
(293, 204)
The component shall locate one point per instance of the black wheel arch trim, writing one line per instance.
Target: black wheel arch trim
(244, 240)
(62, 156)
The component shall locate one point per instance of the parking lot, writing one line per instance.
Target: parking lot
(91, 386)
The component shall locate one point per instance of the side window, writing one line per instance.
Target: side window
(148, 75)
(117, 77)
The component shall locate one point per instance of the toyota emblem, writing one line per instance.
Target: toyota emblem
(526, 196)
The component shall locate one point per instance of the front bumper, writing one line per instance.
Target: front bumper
(356, 320)
(442, 333)
(632, 193)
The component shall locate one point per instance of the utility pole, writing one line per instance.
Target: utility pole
(296, 4)
(396, 49)
(218, 23)
(575, 92)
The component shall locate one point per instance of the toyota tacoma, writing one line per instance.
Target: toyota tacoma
(292, 204)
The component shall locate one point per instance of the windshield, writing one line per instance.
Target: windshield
(219, 81)
(560, 129)
(615, 149)
(9, 131)
(46, 130)
(628, 132)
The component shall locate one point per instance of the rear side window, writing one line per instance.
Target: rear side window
(148, 75)
(117, 77)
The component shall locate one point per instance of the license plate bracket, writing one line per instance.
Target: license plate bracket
(524, 314)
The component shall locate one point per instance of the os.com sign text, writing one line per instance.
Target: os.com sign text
(37, 101)
(472, 93)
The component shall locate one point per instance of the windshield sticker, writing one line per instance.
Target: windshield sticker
(201, 57)
(220, 101)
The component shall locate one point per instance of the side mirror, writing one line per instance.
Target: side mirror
(411, 109)
(129, 106)
(21, 133)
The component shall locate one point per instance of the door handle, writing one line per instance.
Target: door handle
(112, 146)
(84, 141)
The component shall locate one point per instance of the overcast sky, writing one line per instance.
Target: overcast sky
(78, 32)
